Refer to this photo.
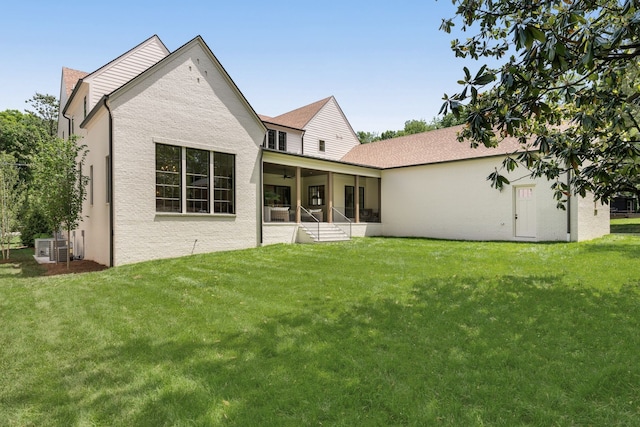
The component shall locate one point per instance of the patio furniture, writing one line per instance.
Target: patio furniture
(279, 214)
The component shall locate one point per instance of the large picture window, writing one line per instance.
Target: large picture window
(197, 180)
(168, 178)
(223, 183)
(185, 177)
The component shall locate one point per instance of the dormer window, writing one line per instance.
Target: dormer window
(271, 139)
(276, 140)
(282, 141)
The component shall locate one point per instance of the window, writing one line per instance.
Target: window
(185, 176)
(91, 184)
(321, 146)
(168, 178)
(276, 140)
(316, 195)
(280, 195)
(271, 139)
(282, 141)
(349, 200)
(223, 183)
(84, 104)
(197, 180)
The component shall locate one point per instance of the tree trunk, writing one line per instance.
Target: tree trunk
(68, 247)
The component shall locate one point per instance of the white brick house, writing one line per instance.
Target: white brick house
(180, 163)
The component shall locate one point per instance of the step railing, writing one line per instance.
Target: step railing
(336, 211)
(314, 218)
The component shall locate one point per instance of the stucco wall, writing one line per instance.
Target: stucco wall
(455, 201)
(95, 222)
(187, 102)
(589, 219)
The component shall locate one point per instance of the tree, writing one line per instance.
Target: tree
(411, 127)
(9, 194)
(46, 109)
(60, 183)
(367, 137)
(415, 126)
(565, 88)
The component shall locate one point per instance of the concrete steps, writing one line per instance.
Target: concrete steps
(327, 232)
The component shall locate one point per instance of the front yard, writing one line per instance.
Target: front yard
(370, 332)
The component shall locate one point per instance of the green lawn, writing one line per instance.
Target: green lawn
(373, 332)
(625, 225)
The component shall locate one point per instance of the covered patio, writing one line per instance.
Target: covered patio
(298, 189)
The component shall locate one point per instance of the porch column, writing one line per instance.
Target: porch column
(356, 196)
(330, 198)
(298, 194)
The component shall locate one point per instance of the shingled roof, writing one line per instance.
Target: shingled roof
(71, 77)
(434, 146)
(299, 117)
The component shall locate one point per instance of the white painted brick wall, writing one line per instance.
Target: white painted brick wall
(186, 102)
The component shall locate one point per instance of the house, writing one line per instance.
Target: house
(180, 163)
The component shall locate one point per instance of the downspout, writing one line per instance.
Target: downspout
(106, 104)
(302, 141)
(261, 201)
(569, 205)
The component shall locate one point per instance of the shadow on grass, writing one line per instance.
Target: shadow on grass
(21, 264)
(456, 351)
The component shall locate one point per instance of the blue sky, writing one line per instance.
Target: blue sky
(385, 62)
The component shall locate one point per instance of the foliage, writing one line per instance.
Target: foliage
(46, 109)
(411, 127)
(60, 183)
(19, 136)
(366, 335)
(34, 224)
(567, 90)
(9, 201)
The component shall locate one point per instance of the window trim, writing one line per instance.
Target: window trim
(322, 146)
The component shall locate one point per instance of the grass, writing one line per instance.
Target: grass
(370, 332)
(625, 225)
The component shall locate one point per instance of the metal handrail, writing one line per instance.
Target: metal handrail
(314, 218)
(343, 216)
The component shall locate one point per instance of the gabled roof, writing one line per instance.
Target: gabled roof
(70, 77)
(436, 146)
(153, 39)
(196, 40)
(299, 117)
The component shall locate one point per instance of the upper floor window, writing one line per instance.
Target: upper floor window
(276, 140)
(321, 146)
(84, 105)
(282, 141)
(271, 139)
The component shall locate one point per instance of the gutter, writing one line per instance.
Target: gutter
(569, 200)
(261, 201)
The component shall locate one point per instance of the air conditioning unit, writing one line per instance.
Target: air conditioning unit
(63, 251)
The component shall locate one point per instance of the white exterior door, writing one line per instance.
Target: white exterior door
(525, 215)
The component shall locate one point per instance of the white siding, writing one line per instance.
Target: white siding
(294, 138)
(123, 69)
(187, 101)
(331, 126)
(455, 201)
